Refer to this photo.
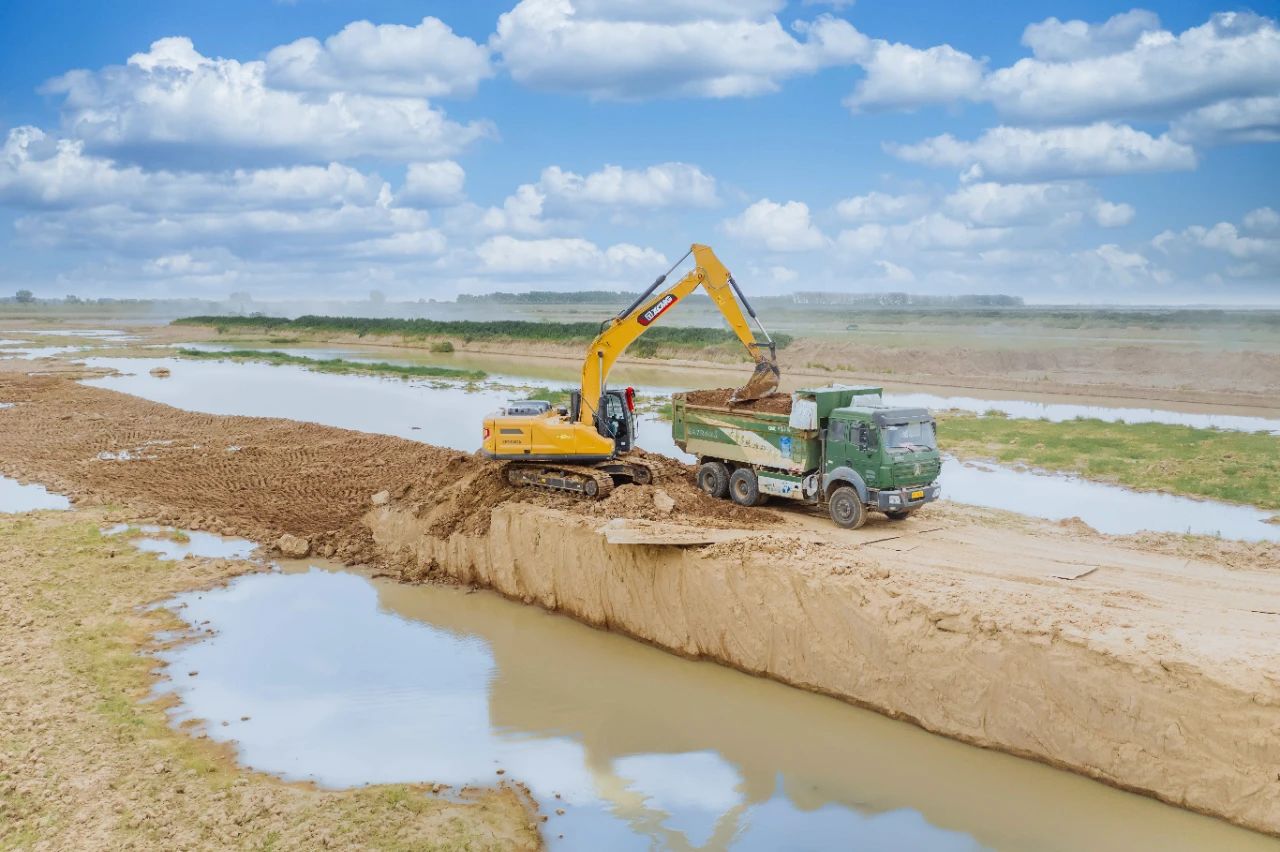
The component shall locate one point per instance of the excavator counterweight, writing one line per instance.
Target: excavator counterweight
(588, 446)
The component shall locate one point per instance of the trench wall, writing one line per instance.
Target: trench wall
(951, 666)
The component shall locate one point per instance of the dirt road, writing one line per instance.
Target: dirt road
(1149, 664)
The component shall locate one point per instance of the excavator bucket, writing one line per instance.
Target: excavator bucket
(763, 382)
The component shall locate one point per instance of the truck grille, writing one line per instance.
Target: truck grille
(916, 472)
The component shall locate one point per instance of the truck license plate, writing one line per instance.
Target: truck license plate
(917, 495)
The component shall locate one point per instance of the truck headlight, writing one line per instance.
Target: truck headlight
(894, 500)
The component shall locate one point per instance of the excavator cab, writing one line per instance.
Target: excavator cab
(615, 417)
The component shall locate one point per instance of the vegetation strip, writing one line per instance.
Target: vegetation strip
(337, 365)
(1237, 467)
(469, 330)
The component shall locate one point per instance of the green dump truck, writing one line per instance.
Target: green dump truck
(840, 447)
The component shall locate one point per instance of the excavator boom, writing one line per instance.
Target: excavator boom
(621, 331)
(587, 448)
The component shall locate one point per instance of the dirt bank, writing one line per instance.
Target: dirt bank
(1149, 670)
(87, 763)
(1152, 674)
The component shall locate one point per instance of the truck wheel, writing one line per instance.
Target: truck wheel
(846, 508)
(744, 487)
(713, 478)
(899, 514)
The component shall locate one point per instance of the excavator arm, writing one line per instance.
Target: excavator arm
(619, 332)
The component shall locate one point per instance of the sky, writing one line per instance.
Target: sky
(1065, 152)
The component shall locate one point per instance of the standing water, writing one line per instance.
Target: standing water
(641, 749)
(449, 414)
(16, 497)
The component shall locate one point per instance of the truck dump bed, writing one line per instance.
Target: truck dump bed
(766, 434)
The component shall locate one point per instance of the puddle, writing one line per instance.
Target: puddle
(159, 540)
(1062, 412)
(646, 750)
(12, 342)
(30, 354)
(433, 411)
(1107, 508)
(98, 333)
(17, 497)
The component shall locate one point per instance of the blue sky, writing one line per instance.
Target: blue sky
(1065, 152)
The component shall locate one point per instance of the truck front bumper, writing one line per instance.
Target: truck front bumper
(906, 498)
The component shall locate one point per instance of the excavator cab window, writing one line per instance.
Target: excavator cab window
(615, 420)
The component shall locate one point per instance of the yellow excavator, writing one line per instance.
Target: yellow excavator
(586, 447)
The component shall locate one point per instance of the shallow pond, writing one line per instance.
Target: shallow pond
(641, 749)
(660, 381)
(449, 414)
(17, 497)
(1107, 508)
(172, 544)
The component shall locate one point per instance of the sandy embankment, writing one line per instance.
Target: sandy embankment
(1147, 670)
(1152, 676)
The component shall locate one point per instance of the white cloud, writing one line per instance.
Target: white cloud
(1222, 237)
(663, 185)
(563, 194)
(521, 212)
(879, 206)
(1110, 215)
(778, 227)
(427, 60)
(37, 170)
(507, 254)
(1237, 120)
(1018, 153)
(1263, 219)
(903, 77)
(1022, 203)
(1053, 40)
(1233, 55)
(636, 50)
(173, 101)
(432, 184)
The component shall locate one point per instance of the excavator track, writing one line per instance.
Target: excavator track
(584, 481)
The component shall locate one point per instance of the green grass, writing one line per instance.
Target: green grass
(555, 396)
(1236, 467)
(469, 330)
(337, 365)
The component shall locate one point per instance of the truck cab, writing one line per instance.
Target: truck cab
(889, 456)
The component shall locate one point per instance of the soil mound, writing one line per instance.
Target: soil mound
(774, 403)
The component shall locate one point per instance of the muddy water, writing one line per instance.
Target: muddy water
(1107, 508)
(160, 541)
(17, 497)
(645, 750)
(449, 414)
(444, 413)
(663, 380)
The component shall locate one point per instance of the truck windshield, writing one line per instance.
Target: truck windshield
(910, 436)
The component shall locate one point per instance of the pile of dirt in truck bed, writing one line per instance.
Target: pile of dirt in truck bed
(774, 403)
(262, 477)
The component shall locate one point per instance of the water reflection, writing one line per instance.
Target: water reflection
(172, 544)
(347, 681)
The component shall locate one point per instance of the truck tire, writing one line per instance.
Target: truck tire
(713, 478)
(846, 508)
(898, 514)
(744, 487)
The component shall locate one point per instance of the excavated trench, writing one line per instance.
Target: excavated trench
(1148, 671)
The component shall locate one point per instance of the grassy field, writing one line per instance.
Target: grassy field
(337, 365)
(1237, 467)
